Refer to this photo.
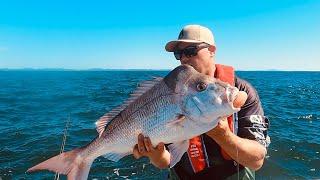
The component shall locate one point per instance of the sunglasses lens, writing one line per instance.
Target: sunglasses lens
(190, 51)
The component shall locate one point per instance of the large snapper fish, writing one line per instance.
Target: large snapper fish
(182, 105)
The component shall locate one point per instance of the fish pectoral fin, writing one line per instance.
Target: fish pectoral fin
(176, 151)
(177, 121)
(116, 156)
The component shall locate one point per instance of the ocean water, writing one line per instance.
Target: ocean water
(35, 106)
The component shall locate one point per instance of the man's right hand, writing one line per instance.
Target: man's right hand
(158, 155)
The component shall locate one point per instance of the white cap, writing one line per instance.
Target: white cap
(192, 34)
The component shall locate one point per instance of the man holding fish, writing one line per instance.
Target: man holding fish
(205, 121)
(234, 148)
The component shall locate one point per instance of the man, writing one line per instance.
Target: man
(233, 149)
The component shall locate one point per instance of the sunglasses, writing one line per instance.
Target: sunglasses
(189, 51)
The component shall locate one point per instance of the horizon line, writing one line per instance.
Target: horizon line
(134, 69)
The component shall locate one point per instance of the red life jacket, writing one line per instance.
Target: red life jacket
(195, 150)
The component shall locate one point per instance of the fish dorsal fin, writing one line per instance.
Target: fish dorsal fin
(106, 118)
(141, 89)
(146, 85)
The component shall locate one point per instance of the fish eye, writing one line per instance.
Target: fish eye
(201, 86)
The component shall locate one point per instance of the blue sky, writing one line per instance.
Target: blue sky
(250, 35)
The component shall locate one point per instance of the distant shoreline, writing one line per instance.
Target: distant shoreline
(101, 69)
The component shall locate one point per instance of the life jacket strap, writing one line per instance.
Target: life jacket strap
(196, 154)
(195, 151)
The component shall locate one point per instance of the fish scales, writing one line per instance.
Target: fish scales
(144, 120)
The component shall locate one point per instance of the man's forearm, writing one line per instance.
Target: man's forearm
(247, 152)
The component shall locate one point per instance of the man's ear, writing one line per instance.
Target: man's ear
(212, 50)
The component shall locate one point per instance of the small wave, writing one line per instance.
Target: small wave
(308, 117)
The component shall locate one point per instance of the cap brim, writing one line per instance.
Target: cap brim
(171, 46)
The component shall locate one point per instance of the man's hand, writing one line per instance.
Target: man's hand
(247, 152)
(220, 130)
(158, 155)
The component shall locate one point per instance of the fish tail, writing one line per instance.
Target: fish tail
(70, 163)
